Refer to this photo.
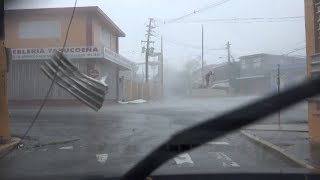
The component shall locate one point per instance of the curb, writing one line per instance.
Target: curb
(5, 148)
(278, 149)
(56, 143)
(284, 130)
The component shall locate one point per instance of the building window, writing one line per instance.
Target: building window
(105, 37)
(243, 64)
(39, 29)
(257, 63)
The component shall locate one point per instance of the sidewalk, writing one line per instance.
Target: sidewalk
(5, 148)
(291, 140)
(283, 127)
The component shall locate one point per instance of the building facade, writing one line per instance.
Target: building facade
(255, 74)
(259, 73)
(312, 23)
(92, 45)
(223, 73)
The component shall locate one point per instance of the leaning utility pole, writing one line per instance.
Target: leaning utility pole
(150, 27)
(4, 113)
(202, 73)
(149, 51)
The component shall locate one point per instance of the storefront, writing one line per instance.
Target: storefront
(29, 85)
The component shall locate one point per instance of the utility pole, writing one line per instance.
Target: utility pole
(150, 27)
(202, 73)
(229, 66)
(161, 65)
(278, 83)
(4, 113)
(229, 55)
(148, 51)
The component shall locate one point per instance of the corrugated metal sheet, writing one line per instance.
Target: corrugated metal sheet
(28, 82)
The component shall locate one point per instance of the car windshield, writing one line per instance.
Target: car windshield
(92, 87)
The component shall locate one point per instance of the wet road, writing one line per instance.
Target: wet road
(114, 139)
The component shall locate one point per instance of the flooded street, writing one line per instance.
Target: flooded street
(114, 139)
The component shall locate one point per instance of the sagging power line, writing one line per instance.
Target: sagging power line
(295, 50)
(197, 11)
(184, 45)
(247, 20)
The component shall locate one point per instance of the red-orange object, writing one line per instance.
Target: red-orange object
(4, 114)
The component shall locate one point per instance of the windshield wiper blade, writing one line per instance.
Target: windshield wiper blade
(223, 124)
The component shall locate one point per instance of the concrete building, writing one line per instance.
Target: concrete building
(312, 23)
(259, 73)
(92, 45)
(254, 74)
(223, 73)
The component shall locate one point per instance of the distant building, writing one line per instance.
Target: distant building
(197, 75)
(254, 74)
(259, 72)
(92, 45)
(223, 73)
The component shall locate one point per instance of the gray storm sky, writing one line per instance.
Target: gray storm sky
(246, 38)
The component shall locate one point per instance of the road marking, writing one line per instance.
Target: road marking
(102, 158)
(183, 158)
(218, 143)
(66, 148)
(226, 160)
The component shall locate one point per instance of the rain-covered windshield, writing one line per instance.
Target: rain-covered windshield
(94, 86)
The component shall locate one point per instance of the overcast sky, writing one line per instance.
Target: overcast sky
(182, 41)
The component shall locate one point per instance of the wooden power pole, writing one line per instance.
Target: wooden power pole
(202, 43)
(148, 51)
(279, 85)
(161, 65)
(4, 113)
(148, 48)
(229, 54)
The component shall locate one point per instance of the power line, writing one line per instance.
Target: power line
(52, 83)
(295, 50)
(198, 11)
(181, 44)
(247, 20)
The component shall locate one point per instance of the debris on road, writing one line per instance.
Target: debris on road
(102, 158)
(218, 143)
(66, 148)
(183, 158)
(56, 143)
(20, 145)
(138, 101)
